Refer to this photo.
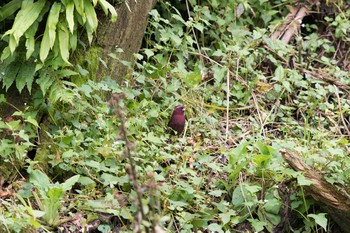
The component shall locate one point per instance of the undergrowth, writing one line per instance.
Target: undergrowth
(246, 97)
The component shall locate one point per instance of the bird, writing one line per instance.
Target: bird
(177, 120)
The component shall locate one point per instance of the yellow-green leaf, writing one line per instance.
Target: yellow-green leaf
(91, 17)
(70, 16)
(106, 6)
(79, 6)
(50, 31)
(73, 40)
(30, 42)
(24, 19)
(63, 37)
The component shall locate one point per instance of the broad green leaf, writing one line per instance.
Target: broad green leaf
(152, 138)
(30, 45)
(219, 73)
(106, 6)
(32, 121)
(320, 219)
(264, 149)
(79, 6)
(73, 40)
(68, 184)
(109, 179)
(13, 125)
(193, 78)
(37, 214)
(5, 53)
(63, 38)
(86, 181)
(30, 39)
(149, 53)
(279, 74)
(12, 43)
(258, 225)
(214, 227)
(303, 181)
(9, 9)
(91, 19)
(89, 32)
(39, 179)
(49, 37)
(55, 193)
(24, 19)
(70, 16)
(216, 193)
(252, 188)
(86, 89)
(199, 26)
(66, 73)
(262, 160)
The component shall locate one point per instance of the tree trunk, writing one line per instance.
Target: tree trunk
(127, 34)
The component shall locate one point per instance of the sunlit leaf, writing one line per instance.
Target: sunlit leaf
(63, 38)
(70, 16)
(24, 19)
(320, 219)
(106, 6)
(50, 31)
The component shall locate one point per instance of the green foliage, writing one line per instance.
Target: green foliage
(27, 48)
(246, 96)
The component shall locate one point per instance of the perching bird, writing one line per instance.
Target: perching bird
(177, 120)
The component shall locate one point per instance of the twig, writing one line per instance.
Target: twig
(227, 102)
(194, 33)
(340, 112)
(128, 151)
(292, 25)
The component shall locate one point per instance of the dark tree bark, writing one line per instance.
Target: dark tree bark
(127, 34)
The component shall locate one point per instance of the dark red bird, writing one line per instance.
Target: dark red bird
(177, 120)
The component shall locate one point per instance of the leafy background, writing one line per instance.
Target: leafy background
(246, 96)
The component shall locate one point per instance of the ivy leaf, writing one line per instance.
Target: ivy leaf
(320, 219)
(193, 78)
(303, 181)
(279, 74)
(152, 138)
(32, 121)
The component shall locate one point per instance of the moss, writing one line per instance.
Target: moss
(89, 61)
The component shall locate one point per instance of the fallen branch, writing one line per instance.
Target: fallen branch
(334, 201)
(291, 26)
